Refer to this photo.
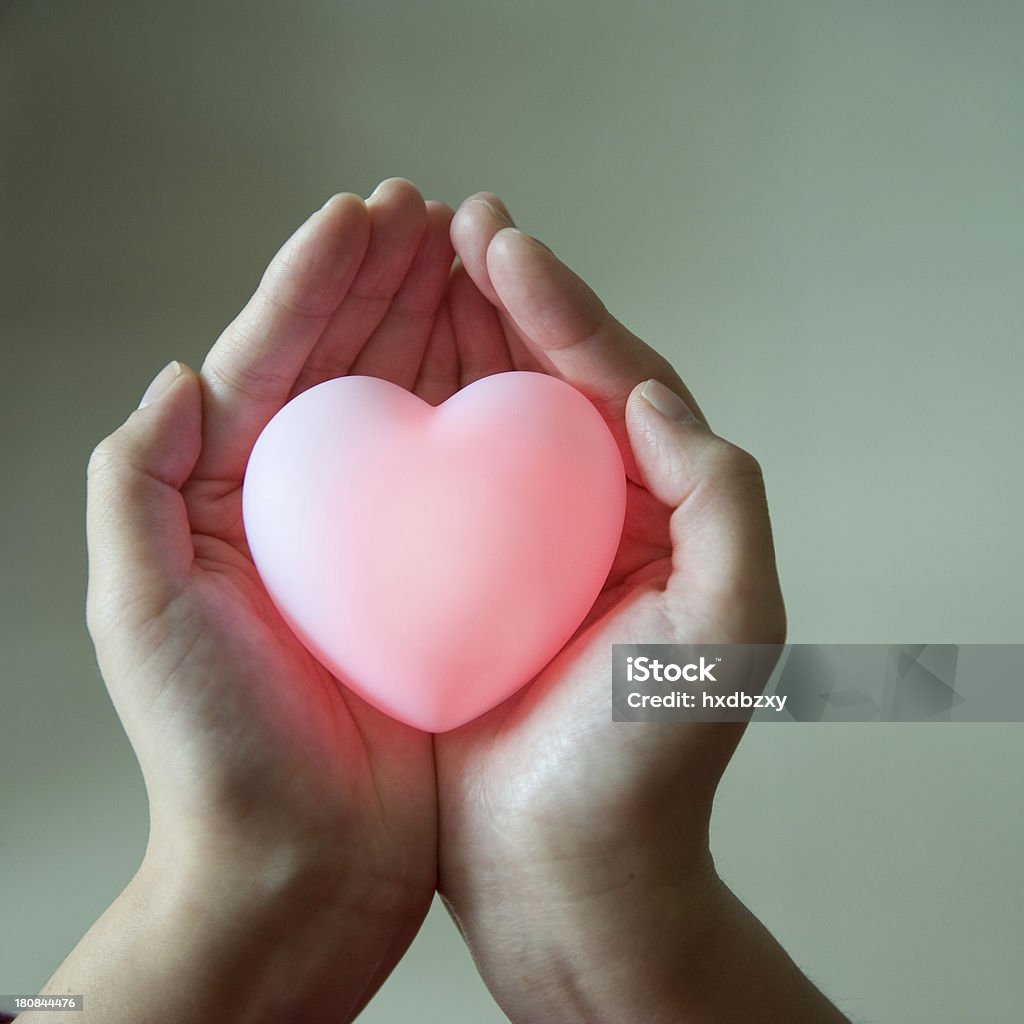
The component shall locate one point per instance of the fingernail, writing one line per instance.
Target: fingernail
(384, 181)
(666, 401)
(498, 211)
(331, 201)
(537, 241)
(161, 382)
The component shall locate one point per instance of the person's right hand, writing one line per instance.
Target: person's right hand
(284, 809)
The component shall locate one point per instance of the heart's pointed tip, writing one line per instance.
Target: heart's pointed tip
(439, 722)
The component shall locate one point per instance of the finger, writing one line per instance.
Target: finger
(137, 528)
(553, 316)
(723, 557)
(475, 223)
(250, 371)
(563, 321)
(479, 337)
(477, 220)
(438, 377)
(395, 350)
(398, 220)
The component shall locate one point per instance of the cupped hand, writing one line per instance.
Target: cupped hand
(261, 770)
(559, 829)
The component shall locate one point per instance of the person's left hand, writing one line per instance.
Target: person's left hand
(568, 842)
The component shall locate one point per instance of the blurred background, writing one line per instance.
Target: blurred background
(814, 208)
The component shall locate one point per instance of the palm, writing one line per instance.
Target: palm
(569, 700)
(369, 302)
(359, 289)
(551, 753)
(549, 762)
(309, 744)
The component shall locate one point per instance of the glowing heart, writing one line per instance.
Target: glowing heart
(435, 559)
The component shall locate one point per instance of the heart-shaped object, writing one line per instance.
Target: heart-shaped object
(435, 559)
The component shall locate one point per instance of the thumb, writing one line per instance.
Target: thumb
(137, 528)
(723, 558)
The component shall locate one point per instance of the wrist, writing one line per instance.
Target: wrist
(597, 945)
(297, 874)
(263, 939)
(276, 938)
(652, 948)
(308, 929)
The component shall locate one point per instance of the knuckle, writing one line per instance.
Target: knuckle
(234, 375)
(728, 463)
(278, 291)
(103, 457)
(738, 478)
(739, 463)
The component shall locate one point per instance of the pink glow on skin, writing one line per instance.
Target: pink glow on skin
(435, 559)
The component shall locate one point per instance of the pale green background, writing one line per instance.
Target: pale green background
(815, 208)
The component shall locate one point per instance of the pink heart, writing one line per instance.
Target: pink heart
(435, 559)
